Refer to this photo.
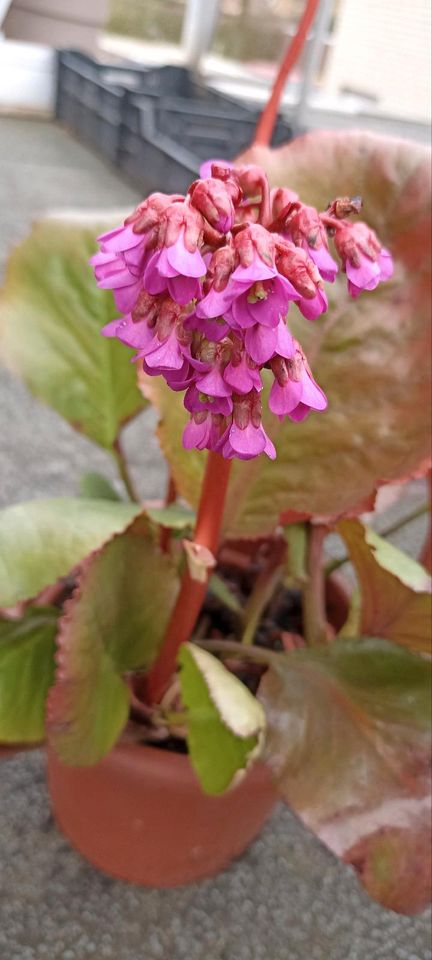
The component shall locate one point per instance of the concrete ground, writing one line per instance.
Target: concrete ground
(287, 898)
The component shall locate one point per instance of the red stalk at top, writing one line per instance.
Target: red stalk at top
(266, 123)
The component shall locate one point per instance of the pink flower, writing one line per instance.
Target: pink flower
(242, 374)
(214, 200)
(195, 400)
(204, 283)
(365, 261)
(303, 225)
(264, 302)
(296, 265)
(204, 431)
(248, 443)
(295, 392)
(118, 265)
(262, 343)
(177, 270)
(246, 437)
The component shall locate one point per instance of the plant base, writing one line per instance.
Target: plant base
(140, 815)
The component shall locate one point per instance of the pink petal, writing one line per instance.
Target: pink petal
(184, 289)
(249, 442)
(110, 329)
(240, 377)
(184, 262)
(366, 276)
(217, 302)
(138, 335)
(327, 267)
(258, 270)
(153, 282)
(312, 395)
(167, 354)
(270, 448)
(283, 400)
(123, 238)
(284, 346)
(126, 297)
(213, 384)
(311, 309)
(196, 435)
(260, 343)
(241, 312)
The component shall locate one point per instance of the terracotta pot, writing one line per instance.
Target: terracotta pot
(140, 815)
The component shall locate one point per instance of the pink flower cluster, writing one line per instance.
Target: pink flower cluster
(204, 284)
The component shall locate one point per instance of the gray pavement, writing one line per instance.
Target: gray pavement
(287, 898)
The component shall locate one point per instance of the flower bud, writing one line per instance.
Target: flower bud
(254, 240)
(352, 240)
(294, 264)
(175, 218)
(280, 199)
(221, 266)
(213, 199)
(145, 218)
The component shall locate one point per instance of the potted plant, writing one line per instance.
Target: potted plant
(190, 661)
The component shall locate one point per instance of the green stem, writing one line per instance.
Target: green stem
(333, 565)
(263, 590)
(123, 470)
(230, 648)
(313, 591)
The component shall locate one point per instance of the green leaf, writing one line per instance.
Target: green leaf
(51, 316)
(96, 486)
(225, 722)
(26, 672)
(395, 590)
(175, 516)
(348, 740)
(370, 355)
(42, 540)
(114, 624)
(220, 589)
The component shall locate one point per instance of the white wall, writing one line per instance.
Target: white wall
(382, 48)
(27, 77)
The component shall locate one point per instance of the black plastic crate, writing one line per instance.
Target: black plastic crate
(90, 99)
(164, 143)
(156, 124)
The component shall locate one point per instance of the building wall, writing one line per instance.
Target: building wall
(382, 49)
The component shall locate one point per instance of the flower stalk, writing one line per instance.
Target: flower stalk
(192, 592)
(267, 121)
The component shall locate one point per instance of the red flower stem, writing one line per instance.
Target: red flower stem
(192, 592)
(267, 120)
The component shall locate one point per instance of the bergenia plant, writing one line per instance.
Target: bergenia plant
(211, 619)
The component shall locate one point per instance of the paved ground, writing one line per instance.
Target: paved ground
(288, 898)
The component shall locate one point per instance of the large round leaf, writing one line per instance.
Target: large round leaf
(42, 540)
(370, 355)
(115, 623)
(27, 649)
(51, 316)
(348, 741)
